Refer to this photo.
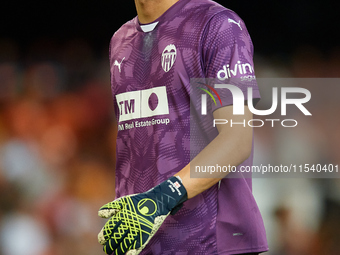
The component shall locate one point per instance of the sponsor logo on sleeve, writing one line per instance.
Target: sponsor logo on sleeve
(242, 70)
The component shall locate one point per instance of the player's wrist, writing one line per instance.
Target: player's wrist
(174, 189)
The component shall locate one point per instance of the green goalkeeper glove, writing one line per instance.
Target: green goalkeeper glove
(136, 218)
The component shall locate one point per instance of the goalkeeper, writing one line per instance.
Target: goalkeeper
(159, 209)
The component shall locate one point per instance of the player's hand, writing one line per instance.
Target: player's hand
(136, 218)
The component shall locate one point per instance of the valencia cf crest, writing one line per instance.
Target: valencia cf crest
(169, 57)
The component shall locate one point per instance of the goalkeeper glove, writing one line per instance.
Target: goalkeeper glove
(136, 218)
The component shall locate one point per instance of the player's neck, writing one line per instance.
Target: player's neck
(150, 10)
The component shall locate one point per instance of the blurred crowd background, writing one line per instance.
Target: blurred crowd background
(57, 131)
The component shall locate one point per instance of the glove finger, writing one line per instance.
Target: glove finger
(124, 246)
(118, 247)
(110, 209)
(107, 231)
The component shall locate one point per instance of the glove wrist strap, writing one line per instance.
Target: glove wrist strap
(172, 191)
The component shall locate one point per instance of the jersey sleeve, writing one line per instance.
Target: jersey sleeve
(227, 56)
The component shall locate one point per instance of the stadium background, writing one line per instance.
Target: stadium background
(57, 132)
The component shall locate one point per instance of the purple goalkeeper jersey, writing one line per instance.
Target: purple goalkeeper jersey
(151, 66)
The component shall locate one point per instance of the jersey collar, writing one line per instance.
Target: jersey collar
(174, 9)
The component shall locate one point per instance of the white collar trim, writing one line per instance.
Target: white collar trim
(149, 27)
